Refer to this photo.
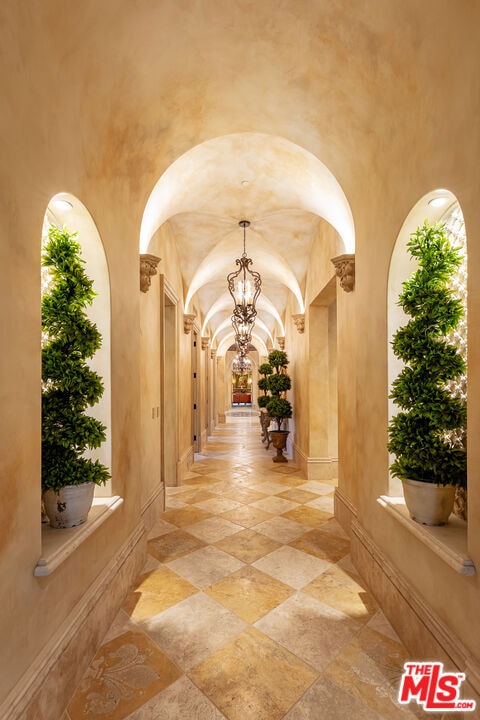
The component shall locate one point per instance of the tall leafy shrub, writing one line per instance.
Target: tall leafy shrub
(419, 434)
(69, 386)
(265, 370)
(278, 382)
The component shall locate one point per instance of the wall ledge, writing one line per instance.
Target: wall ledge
(47, 685)
(424, 633)
(59, 544)
(449, 542)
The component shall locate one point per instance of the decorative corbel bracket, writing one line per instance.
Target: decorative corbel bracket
(205, 342)
(345, 270)
(299, 321)
(280, 342)
(188, 320)
(213, 354)
(148, 268)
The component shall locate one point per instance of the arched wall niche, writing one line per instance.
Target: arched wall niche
(439, 205)
(65, 210)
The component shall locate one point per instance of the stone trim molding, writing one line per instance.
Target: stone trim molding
(148, 268)
(345, 270)
(188, 321)
(205, 342)
(299, 320)
(39, 693)
(421, 630)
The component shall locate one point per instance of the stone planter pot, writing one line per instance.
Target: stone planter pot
(265, 421)
(428, 503)
(279, 441)
(70, 506)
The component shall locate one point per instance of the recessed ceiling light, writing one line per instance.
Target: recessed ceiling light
(438, 201)
(245, 183)
(61, 204)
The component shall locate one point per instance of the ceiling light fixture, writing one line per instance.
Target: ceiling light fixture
(244, 285)
(241, 364)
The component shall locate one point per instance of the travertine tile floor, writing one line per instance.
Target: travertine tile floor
(248, 607)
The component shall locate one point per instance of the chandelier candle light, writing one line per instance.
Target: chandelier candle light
(244, 285)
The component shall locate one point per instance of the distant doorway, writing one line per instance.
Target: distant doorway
(241, 388)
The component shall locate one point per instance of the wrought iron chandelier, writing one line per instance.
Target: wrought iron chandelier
(241, 364)
(244, 286)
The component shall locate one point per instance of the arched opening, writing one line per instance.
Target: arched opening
(65, 210)
(437, 206)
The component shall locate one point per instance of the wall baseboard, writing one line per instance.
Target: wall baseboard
(154, 506)
(316, 468)
(46, 688)
(184, 464)
(344, 510)
(424, 634)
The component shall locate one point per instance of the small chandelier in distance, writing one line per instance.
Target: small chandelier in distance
(241, 364)
(244, 285)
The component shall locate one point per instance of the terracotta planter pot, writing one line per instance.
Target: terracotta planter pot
(428, 503)
(279, 441)
(70, 506)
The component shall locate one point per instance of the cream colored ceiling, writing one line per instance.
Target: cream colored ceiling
(280, 188)
(166, 106)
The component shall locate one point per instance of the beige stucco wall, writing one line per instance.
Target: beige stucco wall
(388, 101)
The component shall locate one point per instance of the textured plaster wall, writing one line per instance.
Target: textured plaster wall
(98, 102)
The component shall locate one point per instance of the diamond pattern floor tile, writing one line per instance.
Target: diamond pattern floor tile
(248, 606)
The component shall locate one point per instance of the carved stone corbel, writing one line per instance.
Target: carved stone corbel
(148, 268)
(188, 320)
(205, 342)
(299, 321)
(280, 342)
(213, 354)
(345, 270)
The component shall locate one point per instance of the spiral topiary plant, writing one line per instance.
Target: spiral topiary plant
(69, 386)
(278, 382)
(420, 435)
(265, 370)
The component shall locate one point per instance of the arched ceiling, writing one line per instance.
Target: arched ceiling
(201, 114)
(280, 188)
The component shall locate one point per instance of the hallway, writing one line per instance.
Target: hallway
(248, 607)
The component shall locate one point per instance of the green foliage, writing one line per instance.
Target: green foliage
(279, 409)
(263, 401)
(279, 383)
(263, 385)
(278, 360)
(69, 386)
(265, 369)
(417, 434)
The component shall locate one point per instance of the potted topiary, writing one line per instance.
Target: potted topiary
(427, 436)
(278, 407)
(69, 386)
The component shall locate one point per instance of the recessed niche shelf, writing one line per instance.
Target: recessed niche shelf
(448, 541)
(57, 545)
